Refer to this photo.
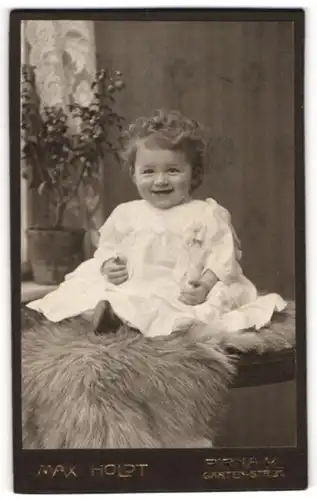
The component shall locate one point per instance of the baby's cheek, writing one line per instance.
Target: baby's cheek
(183, 185)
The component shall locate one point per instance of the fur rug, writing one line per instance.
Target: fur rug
(126, 391)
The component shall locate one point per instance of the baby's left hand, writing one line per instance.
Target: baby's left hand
(194, 293)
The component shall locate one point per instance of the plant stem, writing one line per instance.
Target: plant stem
(59, 214)
(62, 205)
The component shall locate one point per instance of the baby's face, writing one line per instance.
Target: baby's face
(163, 177)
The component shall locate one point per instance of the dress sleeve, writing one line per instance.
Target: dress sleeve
(224, 245)
(111, 235)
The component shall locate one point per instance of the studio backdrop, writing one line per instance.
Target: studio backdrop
(237, 78)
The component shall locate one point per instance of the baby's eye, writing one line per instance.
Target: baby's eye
(173, 170)
(148, 171)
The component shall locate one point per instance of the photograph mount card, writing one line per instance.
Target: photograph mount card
(158, 250)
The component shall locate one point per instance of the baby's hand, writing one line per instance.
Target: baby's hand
(194, 293)
(115, 270)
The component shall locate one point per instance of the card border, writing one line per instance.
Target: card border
(294, 458)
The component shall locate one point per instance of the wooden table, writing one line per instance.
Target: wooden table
(265, 369)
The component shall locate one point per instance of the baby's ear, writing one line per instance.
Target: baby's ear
(132, 173)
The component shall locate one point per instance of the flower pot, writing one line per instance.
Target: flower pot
(54, 253)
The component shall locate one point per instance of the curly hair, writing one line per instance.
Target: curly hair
(168, 130)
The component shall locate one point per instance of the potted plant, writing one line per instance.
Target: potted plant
(64, 150)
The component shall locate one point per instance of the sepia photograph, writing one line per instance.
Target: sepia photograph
(162, 268)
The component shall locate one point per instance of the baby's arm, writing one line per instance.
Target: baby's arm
(115, 270)
(112, 264)
(196, 291)
(220, 262)
(209, 279)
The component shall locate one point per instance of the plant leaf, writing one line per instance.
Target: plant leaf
(32, 138)
(41, 188)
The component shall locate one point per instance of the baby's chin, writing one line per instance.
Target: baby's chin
(164, 203)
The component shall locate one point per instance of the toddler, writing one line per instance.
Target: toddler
(165, 260)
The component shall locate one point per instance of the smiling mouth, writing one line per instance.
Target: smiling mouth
(163, 191)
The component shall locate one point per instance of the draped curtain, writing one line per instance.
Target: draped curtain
(64, 56)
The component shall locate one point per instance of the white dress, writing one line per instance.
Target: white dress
(164, 248)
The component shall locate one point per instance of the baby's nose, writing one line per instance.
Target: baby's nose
(160, 179)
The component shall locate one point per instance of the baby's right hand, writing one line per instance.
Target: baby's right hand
(115, 270)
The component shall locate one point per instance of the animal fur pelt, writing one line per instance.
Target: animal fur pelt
(123, 390)
(280, 334)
